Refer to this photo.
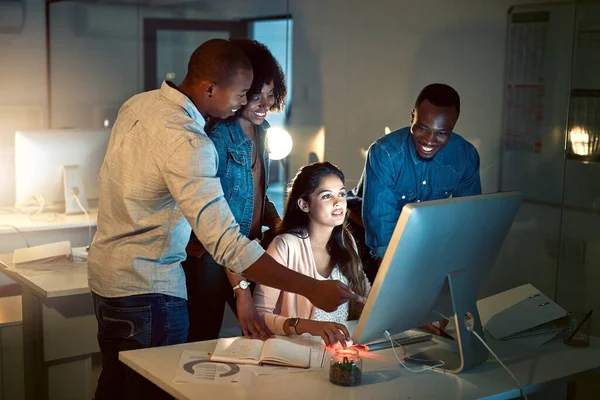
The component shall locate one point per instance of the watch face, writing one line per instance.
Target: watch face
(244, 285)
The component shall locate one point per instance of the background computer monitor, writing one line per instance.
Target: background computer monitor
(39, 159)
(437, 260)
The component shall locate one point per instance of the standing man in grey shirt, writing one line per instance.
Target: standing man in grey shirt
(157, 183)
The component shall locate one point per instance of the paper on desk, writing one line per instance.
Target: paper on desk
(519, 312)
(79, 253)
(317, 356)
(195, 367)
(47, 267)
(534, 341)
(57, 250)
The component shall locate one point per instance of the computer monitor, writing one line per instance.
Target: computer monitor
(438, 259)
(40, 156)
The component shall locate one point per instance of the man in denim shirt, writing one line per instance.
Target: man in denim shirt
(425, 161)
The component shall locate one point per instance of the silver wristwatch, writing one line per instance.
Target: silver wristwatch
(242, 285)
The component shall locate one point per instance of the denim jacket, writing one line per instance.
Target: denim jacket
(235, 171)
(395, 175)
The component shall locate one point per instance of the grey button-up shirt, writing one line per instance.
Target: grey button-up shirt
(157, 182)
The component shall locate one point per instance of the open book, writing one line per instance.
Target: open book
(241, 350)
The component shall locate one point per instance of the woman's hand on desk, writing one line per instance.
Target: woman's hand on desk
(331, 332)
(251, 323)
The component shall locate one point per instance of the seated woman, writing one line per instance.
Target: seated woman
(313, 240)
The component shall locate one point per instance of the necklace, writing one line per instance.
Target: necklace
(317, 247)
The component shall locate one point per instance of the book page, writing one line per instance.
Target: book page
(317, 348)
(282, 352)
(238, 350)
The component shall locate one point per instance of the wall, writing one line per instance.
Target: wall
(344, 85)
(96, 64)
(22, 88)
(97, 59)
(358, 67)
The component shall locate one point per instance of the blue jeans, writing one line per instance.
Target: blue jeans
(130, 323)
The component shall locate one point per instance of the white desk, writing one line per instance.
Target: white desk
(44, 228)
(59, 332)
(552, 364)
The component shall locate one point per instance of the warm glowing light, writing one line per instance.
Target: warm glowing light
(106, 123)
(363, 153)
(279, 143)
(580, 141)
(170, 75)
(318, 143)
(362, 351)
(387, 130)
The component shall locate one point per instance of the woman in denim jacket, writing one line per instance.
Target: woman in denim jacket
(244, 173)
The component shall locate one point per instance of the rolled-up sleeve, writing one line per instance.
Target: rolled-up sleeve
(190, 174)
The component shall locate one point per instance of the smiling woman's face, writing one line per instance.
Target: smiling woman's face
(259, 105)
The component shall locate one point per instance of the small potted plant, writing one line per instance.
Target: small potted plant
(345, 368)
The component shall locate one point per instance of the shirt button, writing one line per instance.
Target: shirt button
(418, 201)
(424, 182)
(403, 197)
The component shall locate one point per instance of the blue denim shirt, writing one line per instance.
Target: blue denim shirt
(395, 175)
(235, 171)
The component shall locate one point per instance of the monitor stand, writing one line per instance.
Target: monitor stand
(471, 351)
(73, 186)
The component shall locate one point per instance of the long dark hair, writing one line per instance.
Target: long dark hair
(295, 221)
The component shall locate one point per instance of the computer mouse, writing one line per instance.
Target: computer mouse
(348, 343)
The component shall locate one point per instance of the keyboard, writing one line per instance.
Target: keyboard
(400, 339)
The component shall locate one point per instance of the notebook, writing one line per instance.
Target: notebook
(274, 351)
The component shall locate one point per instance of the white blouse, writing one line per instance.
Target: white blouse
(339, 315)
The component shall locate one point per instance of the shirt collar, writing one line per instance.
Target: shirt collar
(237, 133)
(169, 90)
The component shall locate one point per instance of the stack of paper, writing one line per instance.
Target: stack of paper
(43, 253)
(522, 312)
